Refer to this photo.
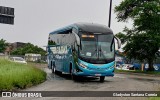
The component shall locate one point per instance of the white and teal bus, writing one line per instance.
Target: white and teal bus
(82, 49)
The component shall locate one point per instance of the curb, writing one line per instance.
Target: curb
(140, 74)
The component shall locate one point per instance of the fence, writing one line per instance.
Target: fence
(30, 58)
(4, 56)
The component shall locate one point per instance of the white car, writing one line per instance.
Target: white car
(124, 67)
(18, 60)
(127, 66)
(118, 66)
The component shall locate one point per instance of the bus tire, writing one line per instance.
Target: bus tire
(74, 77)
(50, 66)
(102, 78)
(53, 69)
(70, 69)
(58, 72)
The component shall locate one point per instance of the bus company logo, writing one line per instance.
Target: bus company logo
(6, 94)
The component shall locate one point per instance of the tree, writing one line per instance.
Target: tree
(3, 45)
(122, 37)
(143, 41)
(28, 48)
(50, 42)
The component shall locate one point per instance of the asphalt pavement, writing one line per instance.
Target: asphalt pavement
(120, 82)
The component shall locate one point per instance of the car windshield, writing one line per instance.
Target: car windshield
(97, 46)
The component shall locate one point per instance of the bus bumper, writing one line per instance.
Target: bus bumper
(88, 69)
(87, 72)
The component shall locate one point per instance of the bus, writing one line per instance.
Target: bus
(82, 49)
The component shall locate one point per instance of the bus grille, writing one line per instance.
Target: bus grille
(98, 69)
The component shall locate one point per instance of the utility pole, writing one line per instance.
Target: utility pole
(110, 9)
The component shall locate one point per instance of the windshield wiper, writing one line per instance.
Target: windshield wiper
(100, 53)
(111, 44)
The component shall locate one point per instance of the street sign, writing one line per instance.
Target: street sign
(6, 15)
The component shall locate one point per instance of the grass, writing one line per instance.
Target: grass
(154, 98)
(19, 76)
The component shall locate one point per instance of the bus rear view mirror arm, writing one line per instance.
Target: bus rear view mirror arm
(77, 39)
(118, 42)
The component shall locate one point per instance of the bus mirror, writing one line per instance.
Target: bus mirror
(73, 48)
(77, 39)
(118, 42)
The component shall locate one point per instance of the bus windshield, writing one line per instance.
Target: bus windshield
(97, 48)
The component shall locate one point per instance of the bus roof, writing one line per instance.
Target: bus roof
(92, 27)
(86, 27)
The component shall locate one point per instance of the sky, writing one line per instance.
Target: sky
(35, 19)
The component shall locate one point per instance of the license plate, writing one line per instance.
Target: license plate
(97, 74)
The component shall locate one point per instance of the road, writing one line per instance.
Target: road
(120, 82)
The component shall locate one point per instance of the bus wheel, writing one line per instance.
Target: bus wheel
(73, 77)
(58, 72)
(53, 69)
(70, 70)
(102, 78)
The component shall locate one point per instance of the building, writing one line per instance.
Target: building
(13, 46)
(17, 45)
(32, 57)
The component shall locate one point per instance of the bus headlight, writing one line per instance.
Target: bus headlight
(82, 65)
